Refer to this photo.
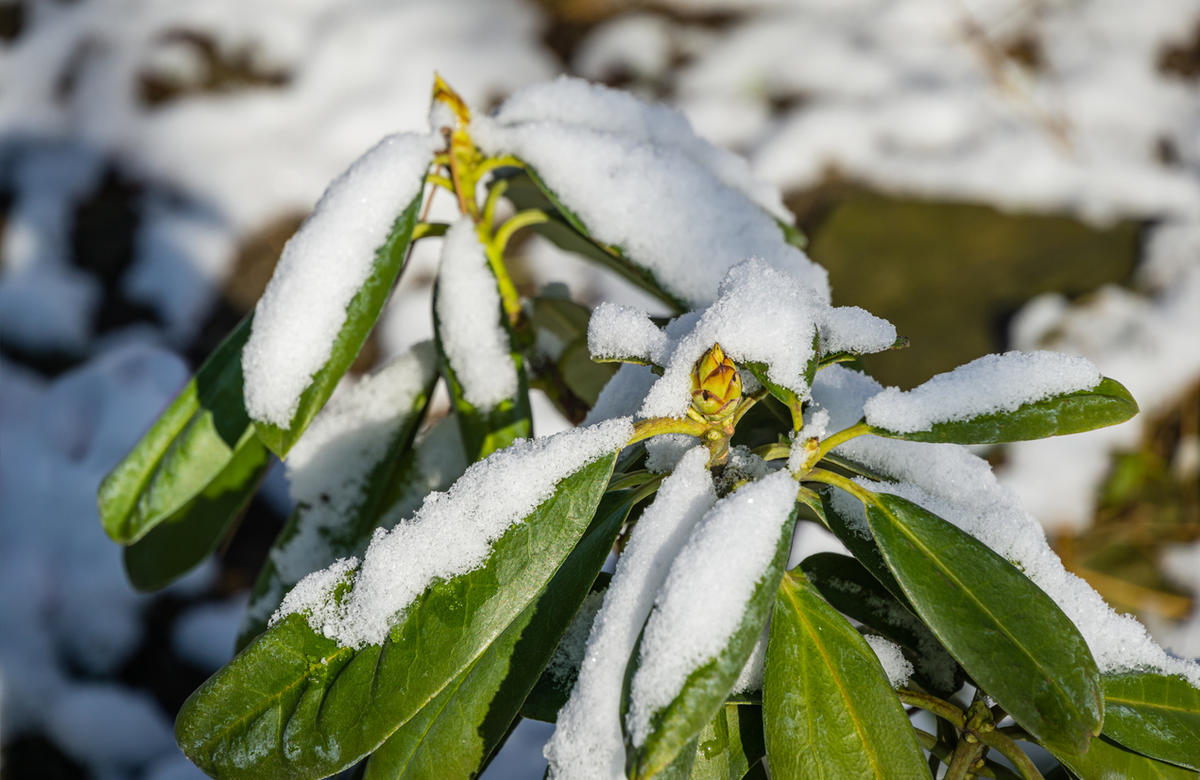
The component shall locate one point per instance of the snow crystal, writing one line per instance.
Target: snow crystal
(751, 678)
(815, 427)
(637, 177)
(986, 385)
(616, 332)
(450, 534)
(587, 742)
(704, 596)
(328, 467)
(663, 452)
(895, 665)
(321, 269)
(564, 664)
(760, 315)
(469, 317)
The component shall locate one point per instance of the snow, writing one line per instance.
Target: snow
(564, 664)
(451, 534)
(987, 385)
(330, 465)
(761, 315)
(737, 538)
(469, 320)
(323, 266)
(895, 665)
(680, 209)
(588, 741)
(618, 332)
(623, 395)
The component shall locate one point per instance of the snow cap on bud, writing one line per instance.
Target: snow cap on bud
(716, 385)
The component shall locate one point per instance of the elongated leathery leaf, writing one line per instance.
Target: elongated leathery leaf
(828, 709)
(852, 590)
(1106, 760)
(731, 744)
(1004, 630)
(853, 531)
(186, 538)
(484, 372)
(330, 285)
(454, 733)
(1155, 714)
(186, 449)
(343, 472)
(651, 678)
(295, 703)
(1108, 403)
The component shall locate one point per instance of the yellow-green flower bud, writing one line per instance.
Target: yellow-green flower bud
(716, 385)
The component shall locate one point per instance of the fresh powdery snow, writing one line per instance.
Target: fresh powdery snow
(451, 534)
(761, 315)
(960, 487)
(616, 332)
(705, 593)
(986, 385)
(330, 464)
(632, 176)
(468, 312)
(895, 665)
(587, 741)
(321, 269)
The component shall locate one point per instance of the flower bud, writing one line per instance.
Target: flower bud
(716, 385)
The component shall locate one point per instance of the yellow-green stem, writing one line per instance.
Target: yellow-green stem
(514, 223)
(827, 445)
(492, 163)
(645, 429)
(427, 229)
(493, 197)
(837, 480)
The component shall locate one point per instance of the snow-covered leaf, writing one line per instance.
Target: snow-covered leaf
(828, 708)
(706, 621)
(1011, 397)
(344, 474)
(1155, 714)
(456, 732)
(330, 285)
(1006, 632)
(297, 702)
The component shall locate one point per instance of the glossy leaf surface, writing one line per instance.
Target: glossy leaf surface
(1108, 403)
(1154, 714)
(849, 588)
(731, 744)
(1004, 630)
(827, 706)
(186, 449)
(295, 703)
(454, 734)
(1106, 760)
(361, 314)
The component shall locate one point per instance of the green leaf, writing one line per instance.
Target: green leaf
(454, 734)
(190, 445)
(852, 590)
(361, 313)
(189, 536)
(1157, 715)
(375, 496)
(295, 703)
(787, 397)
(853, 532)
(526, 190)
(845, 356)
(1006, 632)
(1106, 760)
(706, 688)
(731, 744)
(485, 431)
(561, 326)
(827, 705)
(1108, 403)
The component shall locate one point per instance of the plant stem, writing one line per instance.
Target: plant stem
(516, 222)
(837, 480)
(492, 163)
(428, 229)
(495, 191)
(645, 429)
(966, 753)
(845, 435)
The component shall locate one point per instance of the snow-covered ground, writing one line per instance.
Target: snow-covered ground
(221, 118)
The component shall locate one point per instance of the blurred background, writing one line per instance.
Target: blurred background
(987, 174)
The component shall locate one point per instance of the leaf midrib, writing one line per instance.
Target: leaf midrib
(970, 594)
